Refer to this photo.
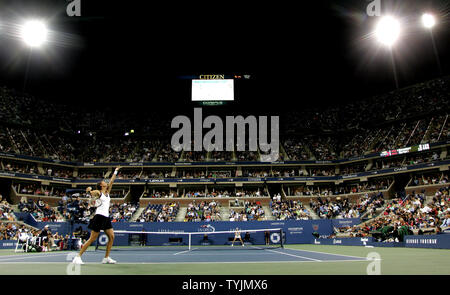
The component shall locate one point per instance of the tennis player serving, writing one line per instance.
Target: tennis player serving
(237, 235)
(101, 199)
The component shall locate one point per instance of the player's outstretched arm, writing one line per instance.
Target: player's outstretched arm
(111, 181)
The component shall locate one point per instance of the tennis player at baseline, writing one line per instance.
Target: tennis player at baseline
(101, 199)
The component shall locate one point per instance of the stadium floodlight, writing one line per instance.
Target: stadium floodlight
(388, 30)
(428, 20)
(34, 33)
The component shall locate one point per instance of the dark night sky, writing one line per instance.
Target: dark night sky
(130, 53)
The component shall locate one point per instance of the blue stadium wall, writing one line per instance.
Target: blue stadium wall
(295, 232)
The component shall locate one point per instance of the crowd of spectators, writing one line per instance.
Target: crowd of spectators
(32, 168)
(117, 194)
(247, 155)
(194, 194)
(150, 213)
(426, 97)
(91, 174)
(439, 129)
(224, 193)
(167, 154)
(322, 171)
(252, 211)
(58, 172)
(218, 193)
(256, 192)
(74, 209)
(429, 178)
(40, 210)
(160, 194)
(19, 167)
(146, 174)
(342, 189)
(419, 112)
(296, 150)
(286, 172)
(168, 212)
(9, 231)
(221, 174)
(6, 212)
(204, 173)
(344, 208)
(427, 157)
(289, 210)
(352, 168)
(411, 214)
(191, 173)
(190, 156)
(358, 144)
(129, 174)
(204, 211)
(30, 236)
(160, 213)
(122, 212)
(323, 148)
(39, 190)
(255, 172)
(222, 156)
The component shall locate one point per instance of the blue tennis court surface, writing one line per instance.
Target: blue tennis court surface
(196, 255)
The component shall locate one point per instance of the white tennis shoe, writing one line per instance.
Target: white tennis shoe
(77, 260)
(108, 260)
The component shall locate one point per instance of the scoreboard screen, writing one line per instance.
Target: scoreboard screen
(213, 90)
(416, 148)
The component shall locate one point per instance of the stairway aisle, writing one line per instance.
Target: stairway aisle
(311, 211)
(181, 214)
(137, 214)
(268, 213)
(225, 213)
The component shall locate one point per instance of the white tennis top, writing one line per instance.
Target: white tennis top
(103, 209)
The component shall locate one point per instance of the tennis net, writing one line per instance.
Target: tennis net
(147, 240)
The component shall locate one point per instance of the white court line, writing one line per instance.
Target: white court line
(214, 262)
(184, 251)
(33, 256)
(327, 253)
(294, 255)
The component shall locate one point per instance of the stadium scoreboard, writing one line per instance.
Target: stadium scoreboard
(411, 149)
(212, 89)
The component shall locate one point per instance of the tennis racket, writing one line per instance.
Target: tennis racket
(96, 202)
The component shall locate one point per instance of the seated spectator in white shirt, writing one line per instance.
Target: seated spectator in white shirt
(446, 222)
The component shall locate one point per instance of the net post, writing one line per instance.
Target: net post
(190, 241)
